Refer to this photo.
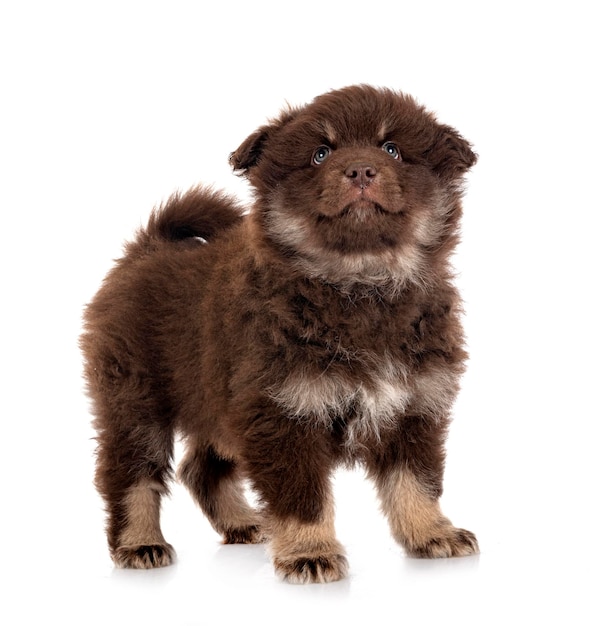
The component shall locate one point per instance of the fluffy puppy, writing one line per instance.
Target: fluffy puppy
(319, 328)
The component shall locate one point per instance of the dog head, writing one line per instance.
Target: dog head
(360, 186)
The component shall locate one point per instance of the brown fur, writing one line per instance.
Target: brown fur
(320, 328)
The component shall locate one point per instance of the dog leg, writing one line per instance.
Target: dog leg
(140, 542)
(307, 552)
(289, 464)
(416, 520)
(131, 475)
(408, 474)
(216, 486)
(135, 438)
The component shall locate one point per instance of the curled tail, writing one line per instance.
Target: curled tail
(199, 212)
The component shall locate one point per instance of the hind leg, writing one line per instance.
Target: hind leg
(132, 475)
(216, 485)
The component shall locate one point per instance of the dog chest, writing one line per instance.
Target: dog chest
(357, 359)
(374, 396)
(380, 391)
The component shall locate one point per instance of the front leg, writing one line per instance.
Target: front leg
(289, 464)
(307, 551)
(408, 471)
(416, 520)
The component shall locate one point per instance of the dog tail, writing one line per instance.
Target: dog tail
(199, 212)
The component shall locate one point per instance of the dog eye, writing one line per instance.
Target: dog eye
(392, 149)
(321, 154)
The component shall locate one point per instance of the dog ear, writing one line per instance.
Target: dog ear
(450, 154)
(248, 153)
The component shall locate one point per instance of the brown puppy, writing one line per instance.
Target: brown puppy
(321, 328)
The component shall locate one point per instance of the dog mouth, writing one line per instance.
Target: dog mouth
(362, 214)
(361, 225)
(362, 210)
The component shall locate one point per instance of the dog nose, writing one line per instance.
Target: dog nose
(361, 174)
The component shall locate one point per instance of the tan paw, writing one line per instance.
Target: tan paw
(312, 569)
(450, 542)
(144, 557)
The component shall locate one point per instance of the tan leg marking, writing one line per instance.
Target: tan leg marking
(307, 553)
(141, 543)
(416, 520)
(235, 519)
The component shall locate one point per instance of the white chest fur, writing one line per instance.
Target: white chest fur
(376, 397)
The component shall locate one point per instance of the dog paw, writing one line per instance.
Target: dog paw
(144, 557)
(243, 534)
(452, 542)
(312, 569)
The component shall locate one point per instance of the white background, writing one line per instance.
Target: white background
(108, 107)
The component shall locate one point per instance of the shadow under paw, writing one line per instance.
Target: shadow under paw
(144, 556)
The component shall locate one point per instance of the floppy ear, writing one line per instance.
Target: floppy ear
(450, 154)
(248, 153)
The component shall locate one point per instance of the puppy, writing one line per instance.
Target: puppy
(320, 328)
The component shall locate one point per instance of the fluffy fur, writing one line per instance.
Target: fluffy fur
(318, 328)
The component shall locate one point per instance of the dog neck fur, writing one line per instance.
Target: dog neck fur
(390, 271)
